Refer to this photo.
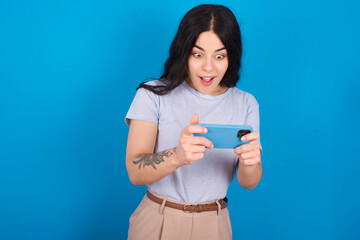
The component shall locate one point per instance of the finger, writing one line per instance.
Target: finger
(251, 161)
(203, 141)
(196, 149)
(249, 155)
(247, 147)
(194, 119)
(191, 129)
(250, 136)
(200, 141)
(198, 156)
(253, 141)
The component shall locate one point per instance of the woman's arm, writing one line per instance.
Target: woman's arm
(146, 167)
(143, 166)
(250, 169)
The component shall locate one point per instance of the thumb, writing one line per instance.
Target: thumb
(194, 119)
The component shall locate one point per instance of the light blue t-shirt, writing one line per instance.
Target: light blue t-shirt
(206, 179)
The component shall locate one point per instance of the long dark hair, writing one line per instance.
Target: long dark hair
(200, 19)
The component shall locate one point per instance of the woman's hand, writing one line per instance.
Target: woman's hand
(249, 154)
(190, 147)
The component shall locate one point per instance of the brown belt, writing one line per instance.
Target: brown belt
(189, 207)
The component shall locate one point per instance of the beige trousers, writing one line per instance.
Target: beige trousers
(152, 221)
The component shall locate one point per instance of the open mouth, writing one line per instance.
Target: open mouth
(206, 81)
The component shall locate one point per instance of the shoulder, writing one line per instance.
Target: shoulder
(141, 91)
(160, 88)
(155, 82)
(145, 105)
(151, 87)
(246, 97)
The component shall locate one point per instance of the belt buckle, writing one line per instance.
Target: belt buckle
(184, 208)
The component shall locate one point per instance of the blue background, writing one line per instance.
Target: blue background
(68, 73)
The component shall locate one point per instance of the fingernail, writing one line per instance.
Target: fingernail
(243, 139)
(205, 130)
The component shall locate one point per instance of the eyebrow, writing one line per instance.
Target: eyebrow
(204, 50)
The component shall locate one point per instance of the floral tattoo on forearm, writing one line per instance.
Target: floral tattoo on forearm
(152, 159)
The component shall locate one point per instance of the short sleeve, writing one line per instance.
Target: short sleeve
(252, 115)
(145, 106)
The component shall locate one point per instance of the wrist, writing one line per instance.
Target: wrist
(175, 159)
(249, 169)
(249, 176)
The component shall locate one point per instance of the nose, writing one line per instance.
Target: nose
(208, 64)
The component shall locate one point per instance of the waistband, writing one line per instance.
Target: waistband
(222, 203)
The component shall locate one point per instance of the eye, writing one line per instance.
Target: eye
(197, 54)
(220, 57)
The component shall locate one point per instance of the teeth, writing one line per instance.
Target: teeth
(207, 78)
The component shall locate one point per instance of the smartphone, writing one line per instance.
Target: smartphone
(225, 136)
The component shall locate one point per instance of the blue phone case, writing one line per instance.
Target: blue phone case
(224, 136)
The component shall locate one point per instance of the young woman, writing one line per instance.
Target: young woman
(187, 177)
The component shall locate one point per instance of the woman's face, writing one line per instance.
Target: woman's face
(207, 64)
